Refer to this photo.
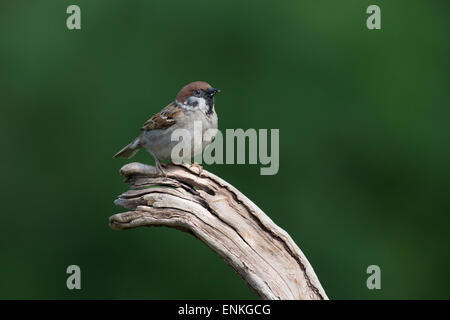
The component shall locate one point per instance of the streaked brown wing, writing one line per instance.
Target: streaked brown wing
(164, 119)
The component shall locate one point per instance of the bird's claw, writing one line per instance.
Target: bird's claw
(199, 167)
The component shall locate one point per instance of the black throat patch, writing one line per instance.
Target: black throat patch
(210, 104)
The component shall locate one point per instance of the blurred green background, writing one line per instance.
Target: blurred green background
(364, 140)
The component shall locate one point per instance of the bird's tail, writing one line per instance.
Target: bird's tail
(129, 150)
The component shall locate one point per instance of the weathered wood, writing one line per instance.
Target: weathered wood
(215, 212)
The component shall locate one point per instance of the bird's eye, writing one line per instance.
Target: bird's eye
(197, 93)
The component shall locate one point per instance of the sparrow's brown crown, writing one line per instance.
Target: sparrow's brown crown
(189, 90)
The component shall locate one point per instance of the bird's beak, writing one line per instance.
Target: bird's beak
(212, 91)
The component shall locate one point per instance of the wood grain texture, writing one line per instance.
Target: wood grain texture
(215, 212)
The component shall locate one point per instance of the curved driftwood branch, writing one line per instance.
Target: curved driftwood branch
(215, 212)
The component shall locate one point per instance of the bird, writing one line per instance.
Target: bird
(194, 102)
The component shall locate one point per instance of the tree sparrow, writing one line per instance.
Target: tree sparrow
(194, 102)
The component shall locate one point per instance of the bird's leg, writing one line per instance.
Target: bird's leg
(159, 166)
(199, 167)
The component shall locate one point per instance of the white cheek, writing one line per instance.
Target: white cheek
(201, 104)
